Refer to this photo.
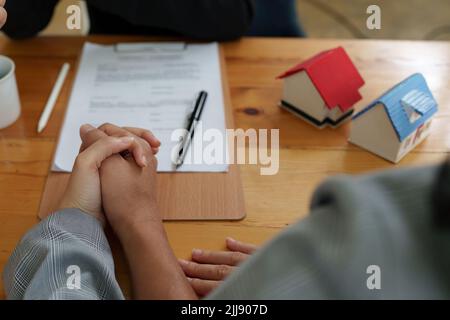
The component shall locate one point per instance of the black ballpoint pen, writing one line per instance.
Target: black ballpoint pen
(199, 104)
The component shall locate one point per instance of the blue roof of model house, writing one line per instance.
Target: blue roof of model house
(412, 94)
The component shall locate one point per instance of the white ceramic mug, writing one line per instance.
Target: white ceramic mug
(9, 95)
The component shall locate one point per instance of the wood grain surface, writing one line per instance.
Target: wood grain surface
(180, 196)
(307, 155)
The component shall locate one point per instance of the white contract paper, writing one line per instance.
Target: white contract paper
(151, 86)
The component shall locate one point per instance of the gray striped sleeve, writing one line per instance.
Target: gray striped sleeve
(66, 256)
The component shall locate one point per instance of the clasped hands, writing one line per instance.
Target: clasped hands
(114, 176)
(114, 180)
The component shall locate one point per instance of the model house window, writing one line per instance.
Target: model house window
(407, 143)
(412, 115)
(415, 104)
(420, 130)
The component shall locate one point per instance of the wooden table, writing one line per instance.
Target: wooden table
(307, 155)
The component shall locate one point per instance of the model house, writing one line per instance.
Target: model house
(397, 121)
(323, 89)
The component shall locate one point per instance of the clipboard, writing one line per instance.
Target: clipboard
(180, 196)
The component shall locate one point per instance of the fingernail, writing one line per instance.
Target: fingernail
(152, 136)
(144, 161)
(196, 252)
(86, 127)
(230, 239)
(183, 262)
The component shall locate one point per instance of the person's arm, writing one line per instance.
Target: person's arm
(26, 18)
(129, 201)
(367, 237)
(201, 19)
(66, 256)
(155, 272)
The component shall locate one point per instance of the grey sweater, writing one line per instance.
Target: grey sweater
(380, 236)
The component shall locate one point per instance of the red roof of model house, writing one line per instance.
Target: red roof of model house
(334, 76)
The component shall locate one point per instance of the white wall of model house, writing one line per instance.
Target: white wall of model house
(374, 131)
(414, 139)
(299, 91)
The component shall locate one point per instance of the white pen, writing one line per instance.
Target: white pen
(53, 97)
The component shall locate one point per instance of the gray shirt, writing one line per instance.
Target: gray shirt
(377, 236)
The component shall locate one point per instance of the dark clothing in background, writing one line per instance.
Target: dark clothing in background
(199, 19)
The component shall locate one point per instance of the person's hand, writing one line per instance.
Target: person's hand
(129, 202)
(145, 135)
(83, 190)
(128, 191)
(3, 13)
(208, 269)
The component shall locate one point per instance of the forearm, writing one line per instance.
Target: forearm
(50, 257)
(356, 222)
(27, 18)
(203, 19)
(155, 271)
